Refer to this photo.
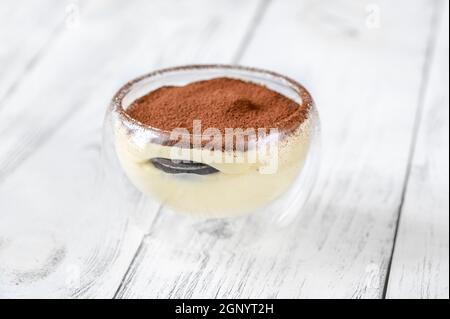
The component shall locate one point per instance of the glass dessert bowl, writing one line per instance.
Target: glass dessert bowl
(217, 141)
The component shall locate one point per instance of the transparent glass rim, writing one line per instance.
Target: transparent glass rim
(118, 110)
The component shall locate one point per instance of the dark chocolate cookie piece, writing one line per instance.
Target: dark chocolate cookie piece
(179, 167)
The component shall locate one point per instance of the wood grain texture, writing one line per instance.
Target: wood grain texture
(420, 267)
(99, 49)
(363, 63)
(19, 51)
(66, 230)
(69, 228)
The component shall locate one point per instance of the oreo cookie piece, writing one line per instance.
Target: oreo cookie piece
(182, 167)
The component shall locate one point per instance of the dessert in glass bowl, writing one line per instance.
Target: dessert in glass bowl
(217, 141)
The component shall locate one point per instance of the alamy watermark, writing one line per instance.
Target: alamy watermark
(231, 145)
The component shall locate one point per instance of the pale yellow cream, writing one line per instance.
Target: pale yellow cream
(237, 188)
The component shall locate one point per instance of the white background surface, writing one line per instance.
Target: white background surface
(377, 225)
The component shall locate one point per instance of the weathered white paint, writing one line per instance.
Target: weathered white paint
(420, 264)
(62, 232)
(366, 80)
(18, 50)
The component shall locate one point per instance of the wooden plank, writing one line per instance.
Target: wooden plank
(366, 77)
(23, 43)
(66, 230)
(420, 266)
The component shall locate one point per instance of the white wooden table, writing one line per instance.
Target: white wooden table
(377, 225)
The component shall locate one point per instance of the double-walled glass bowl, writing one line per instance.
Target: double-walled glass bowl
(272, 174)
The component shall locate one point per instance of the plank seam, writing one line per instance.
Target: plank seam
(137, 253)
(257, 18)
(426, 68)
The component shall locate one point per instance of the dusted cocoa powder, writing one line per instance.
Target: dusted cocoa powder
(219, 103)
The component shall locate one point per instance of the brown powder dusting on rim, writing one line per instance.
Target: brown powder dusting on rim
(219, 103)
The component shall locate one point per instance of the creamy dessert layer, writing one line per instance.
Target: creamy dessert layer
(227, 179)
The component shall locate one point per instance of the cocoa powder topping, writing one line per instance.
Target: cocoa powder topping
(219, 103)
